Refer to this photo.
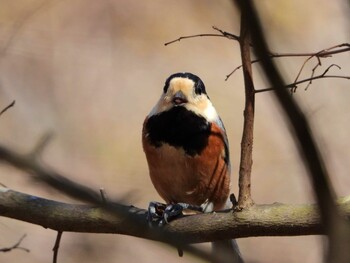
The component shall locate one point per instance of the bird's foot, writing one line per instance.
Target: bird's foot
(155, 213)
(162, 214)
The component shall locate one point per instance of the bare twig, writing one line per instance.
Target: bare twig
(312, 75)
(15, 246)
(331, 66)
(56, 246)
(7, 107)
(222, 34)
(292, 85)
(228, 35)
(328, 52)
(192, 36)
(323, 74)
(324, 53)
(235, 69)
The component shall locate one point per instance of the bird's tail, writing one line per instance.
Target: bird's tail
(226, 251)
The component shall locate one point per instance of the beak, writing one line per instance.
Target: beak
(179, 98)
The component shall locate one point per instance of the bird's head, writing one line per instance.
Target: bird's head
(185, 90)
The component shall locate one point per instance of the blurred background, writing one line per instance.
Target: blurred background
(90, 71)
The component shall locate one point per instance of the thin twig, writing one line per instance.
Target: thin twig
(227, 34)
(331, 66)
(234, 70)
(7, 107)
(323, 74)
(56, 246)
(312, 75)
(192, 36)
(222, 34)
(15, 246)
(328, 52)
(292, 85)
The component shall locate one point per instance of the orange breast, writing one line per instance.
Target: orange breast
(179, 177)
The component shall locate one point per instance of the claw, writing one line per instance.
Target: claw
(162, 214)
(155, 212)
(171, 212)
(233, 200)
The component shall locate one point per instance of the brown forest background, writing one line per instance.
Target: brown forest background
(90, 71)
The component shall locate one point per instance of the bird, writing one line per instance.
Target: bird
(187, 150)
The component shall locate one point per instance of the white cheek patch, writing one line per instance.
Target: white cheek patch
(208, 112)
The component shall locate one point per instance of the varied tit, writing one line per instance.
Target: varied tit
(186, 146)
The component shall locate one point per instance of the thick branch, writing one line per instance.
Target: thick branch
(260, 220)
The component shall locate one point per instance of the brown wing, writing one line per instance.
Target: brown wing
(213, 164)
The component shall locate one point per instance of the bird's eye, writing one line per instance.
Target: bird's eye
(199, 88)
(166, 86)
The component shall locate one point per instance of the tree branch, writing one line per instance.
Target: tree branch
(245, 166)
(260, 220)
(110, 217)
